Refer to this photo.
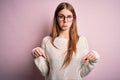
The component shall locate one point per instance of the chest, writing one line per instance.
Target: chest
(56, 53)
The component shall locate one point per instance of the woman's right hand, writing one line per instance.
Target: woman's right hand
(38, 52)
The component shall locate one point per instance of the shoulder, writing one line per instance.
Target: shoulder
(46, 38)
(82, 39)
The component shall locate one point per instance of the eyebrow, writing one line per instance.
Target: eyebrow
(64, 15)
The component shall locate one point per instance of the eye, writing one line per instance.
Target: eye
(69, 16)
(61, 16)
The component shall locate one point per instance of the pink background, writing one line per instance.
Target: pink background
(23, 24)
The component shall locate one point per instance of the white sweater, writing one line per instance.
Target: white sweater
(51, 66)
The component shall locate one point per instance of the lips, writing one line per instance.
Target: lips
(65, 25)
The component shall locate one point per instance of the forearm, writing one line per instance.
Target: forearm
(88, 65)
(42, 65)
(41, 62)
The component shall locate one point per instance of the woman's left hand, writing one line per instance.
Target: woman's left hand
(90, 56)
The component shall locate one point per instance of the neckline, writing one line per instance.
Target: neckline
(62, 38)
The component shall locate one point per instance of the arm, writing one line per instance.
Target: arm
(41, 60)
(42, 65)
(88, 61)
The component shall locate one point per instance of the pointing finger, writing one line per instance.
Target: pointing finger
(42, 52)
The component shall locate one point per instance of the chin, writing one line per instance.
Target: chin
(64, 29)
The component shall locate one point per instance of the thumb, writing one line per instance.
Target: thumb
(85, 58)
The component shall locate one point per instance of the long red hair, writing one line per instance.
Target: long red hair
(73, 34)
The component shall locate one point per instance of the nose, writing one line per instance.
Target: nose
(65, 19)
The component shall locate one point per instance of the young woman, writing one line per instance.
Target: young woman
(64, 55)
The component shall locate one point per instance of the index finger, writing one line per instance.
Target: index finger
(43, 54)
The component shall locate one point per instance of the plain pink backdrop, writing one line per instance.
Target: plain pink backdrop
(23, 24)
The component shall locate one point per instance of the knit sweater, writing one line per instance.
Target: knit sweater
(51, 67)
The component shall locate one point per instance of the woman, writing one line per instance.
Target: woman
(64, 55)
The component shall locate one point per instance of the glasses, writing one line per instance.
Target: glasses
(62, 17)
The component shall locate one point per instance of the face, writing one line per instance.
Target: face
(65, 19)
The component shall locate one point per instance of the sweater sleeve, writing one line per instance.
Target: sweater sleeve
(41, 62)
(87, 66)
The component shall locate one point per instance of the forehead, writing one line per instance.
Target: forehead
(65, 12)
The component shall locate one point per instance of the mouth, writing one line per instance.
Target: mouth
(65, 25)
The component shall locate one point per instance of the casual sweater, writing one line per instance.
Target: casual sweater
(51, 67)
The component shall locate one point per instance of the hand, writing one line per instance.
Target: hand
(39, 52)
(90, 56)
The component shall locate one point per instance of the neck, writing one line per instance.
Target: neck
(64, 34)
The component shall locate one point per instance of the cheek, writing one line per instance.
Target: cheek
(60, 23)
(70, 23)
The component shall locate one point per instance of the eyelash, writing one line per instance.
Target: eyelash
(62, 16)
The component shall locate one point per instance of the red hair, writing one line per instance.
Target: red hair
(73, 34)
